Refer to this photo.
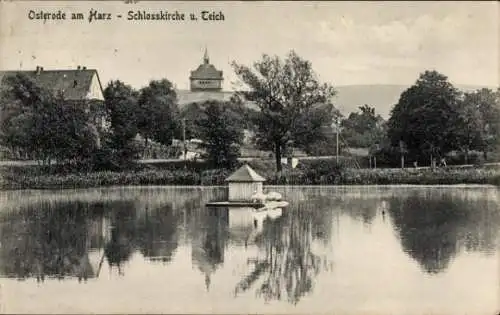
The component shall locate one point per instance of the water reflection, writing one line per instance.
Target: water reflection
(50, 240)
(157, 236)
(209, 243)
(120, 244)
(281, 255)
(287, 266)
(434, 230)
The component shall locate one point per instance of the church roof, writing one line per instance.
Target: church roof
(75, 84)
(245, 174)
(206, 71)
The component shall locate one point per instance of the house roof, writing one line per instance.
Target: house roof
(245, 174)
(75, 84)
(206, 71)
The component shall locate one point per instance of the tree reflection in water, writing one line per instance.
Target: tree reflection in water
(208, 245)
(120, 245)
(51, 240)
(288, 267)
(433, 230)
(157, 233)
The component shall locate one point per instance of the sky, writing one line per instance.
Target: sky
(348, 43)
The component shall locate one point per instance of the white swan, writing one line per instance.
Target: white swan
(258, 196)
(274, 196)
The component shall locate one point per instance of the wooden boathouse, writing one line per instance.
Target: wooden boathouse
(244, 183)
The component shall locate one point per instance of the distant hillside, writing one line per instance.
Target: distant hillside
(349, 97)
(382, 97)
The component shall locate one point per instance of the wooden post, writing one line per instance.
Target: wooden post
(337, 145)
(402, 150)
(184, 141)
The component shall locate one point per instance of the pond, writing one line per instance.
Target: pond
(348, 250)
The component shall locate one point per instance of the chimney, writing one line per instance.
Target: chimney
(78, 68)
(38, 69)
(84, 68)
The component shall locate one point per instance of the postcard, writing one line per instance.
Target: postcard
(237, 157)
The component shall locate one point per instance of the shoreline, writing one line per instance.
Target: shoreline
(467, 177)
(355, 186)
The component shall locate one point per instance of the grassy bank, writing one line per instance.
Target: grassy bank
(314, 174)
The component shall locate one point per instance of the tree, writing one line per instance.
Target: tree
(221, 130)
(288, 95)
(479, 125)
(18, 99)
(63, 131)
(314, 128)
(46, 126)
(121, 104)
(158, 112)
(364, 128)
(189, 114)
(425, 117)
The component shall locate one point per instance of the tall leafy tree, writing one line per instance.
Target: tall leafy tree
(221, 130)
(158, 112)
(289, 96)
(64, 131)
(425, 117)
(479, 127)
(46, 126)
(121, 104)
(18, 99)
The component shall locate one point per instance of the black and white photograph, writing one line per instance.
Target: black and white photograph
(249, 157)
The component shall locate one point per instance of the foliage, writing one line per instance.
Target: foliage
(479, 121)
(221, 130)
(119, 150)
(116, 154)
(189, 114)
(158, 112)
(28, 178)
(363, 129)
(425, 117)
(322, 171)
(121, 104)
(45, 126)
(289, 97)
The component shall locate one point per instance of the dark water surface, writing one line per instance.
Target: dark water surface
(351, 250)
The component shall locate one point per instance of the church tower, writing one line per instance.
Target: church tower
(206, 77)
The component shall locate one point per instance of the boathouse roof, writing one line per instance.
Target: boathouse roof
(245, 174)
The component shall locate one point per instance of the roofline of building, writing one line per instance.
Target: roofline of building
(61, 70)
(99, 81)
(202, 78)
